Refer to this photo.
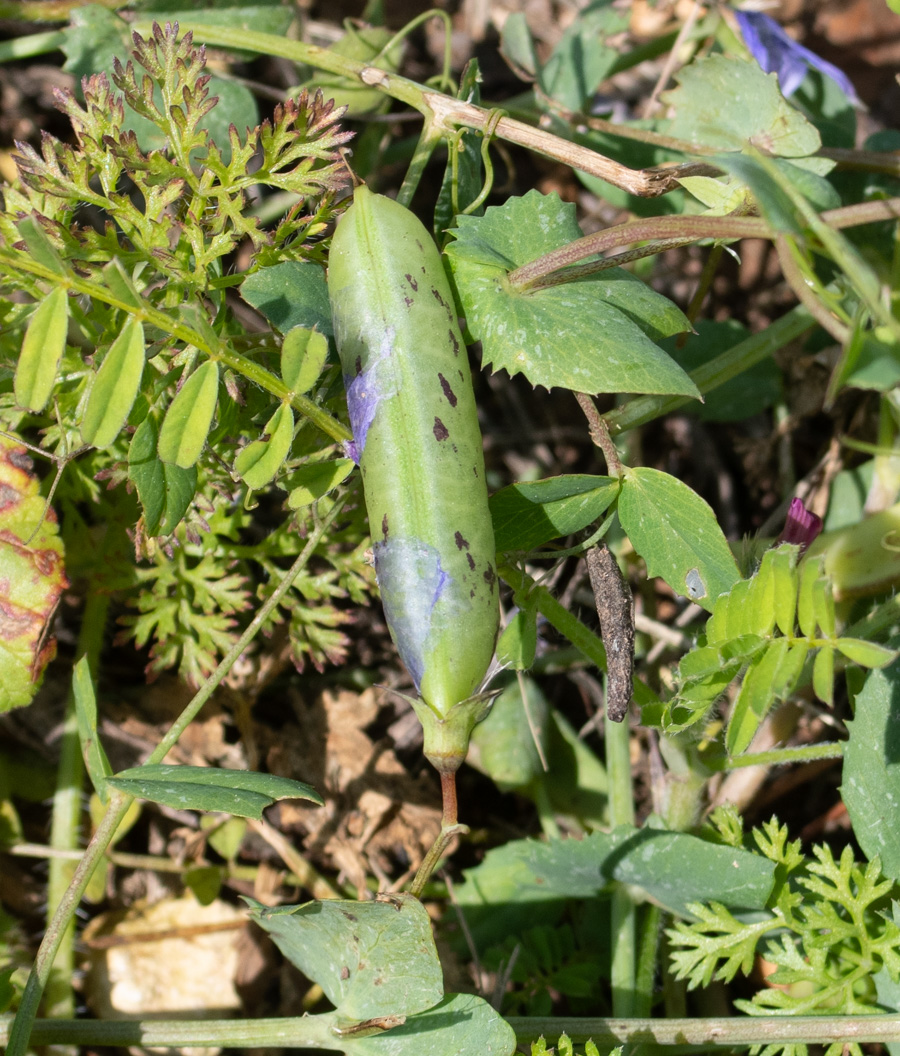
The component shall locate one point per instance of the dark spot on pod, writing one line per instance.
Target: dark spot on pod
(408, 301)
(345, 972)
(358, 366)
(438, 297)
(461, 542)
(377, 981)
(475, 470)
(454, 342)
(471, 561)
(349, 916)
(440, 430)
(384, 526)
(412, 282)
(472, 593)
(448, 392)
(490, 576)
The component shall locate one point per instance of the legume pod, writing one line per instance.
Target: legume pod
(418, 444)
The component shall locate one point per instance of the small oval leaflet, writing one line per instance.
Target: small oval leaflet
(696, 588)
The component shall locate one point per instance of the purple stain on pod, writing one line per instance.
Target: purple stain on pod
(411, 581)
(777, 53)
(365, 391)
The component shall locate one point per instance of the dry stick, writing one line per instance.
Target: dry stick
(615, 610)
(671, 59)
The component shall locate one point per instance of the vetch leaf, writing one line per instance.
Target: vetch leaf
(303, 356)
(518, 642)
(503, 744)
(98, 766)
(871, 774)
(371, 958)
(676, 533)
(532, 513)
(32, 577)
(310, 482)
(240, 792)
(823, 674)
(42, 349)
(116, 386)
(810, 573)
(259, 461)
(40, 248)
(595, 335)
(784, 571)
(756, 696)
(757, 112)
(866, 654)
(189, 417)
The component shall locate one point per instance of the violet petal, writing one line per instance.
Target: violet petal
(802, 525)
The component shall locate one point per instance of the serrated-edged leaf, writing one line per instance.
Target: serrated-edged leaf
(165, 491)
(370, 958)
(42, 349)
(303, 356)
(676, 533)
(595, 335)
(532, 513)
(32, 577)
(784, 572)
(810, 571)
(866, 654)
(310, 482)
(518, 642)
(116, 387)
(98, 766)
(240, 792)
(189, 417)
(259, 461)
(755, 697)
(290, 294)
(823, 674)
(757, 113)
(40, 248)
(871, 771)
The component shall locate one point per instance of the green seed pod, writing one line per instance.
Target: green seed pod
(417, 441)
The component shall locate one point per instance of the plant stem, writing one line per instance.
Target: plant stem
(119, 802)
(677, 1035)
(623, 909)
(780, 756)
(716, 372)
(65, 824)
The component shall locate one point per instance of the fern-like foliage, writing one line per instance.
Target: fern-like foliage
(829, 927)
(564, 1047)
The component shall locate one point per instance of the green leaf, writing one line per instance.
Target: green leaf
(518, 642)
(810, 574)
(115, 387)
(32, 577)
(39, 246)
(95, 759)
(756, 111)
(290, 294)
(866, 654)
(205, 881)
(595, 335)
(505, 744)
(42, 349)
(310, 482)
(583, 58)
(532, 513)
(371, 958)
(468, 177)
(189, 417)
(823, 674)
(676, 533)
(240, 792)
(165, 491)
(758, 692)
(303, 356)
(787, 581)
(459, 1024)
(773, 202)
(259, 461)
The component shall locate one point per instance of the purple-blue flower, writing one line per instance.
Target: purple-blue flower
(802, 525)
(776, 52)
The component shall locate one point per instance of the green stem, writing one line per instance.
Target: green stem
(648, 955)
(677, 1035)
(428, 141)
(221, 352)
(119, 802)
(65, 824)
(33, 44)
(716, 372)
(623, 909)
(780, 756)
